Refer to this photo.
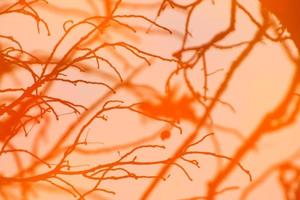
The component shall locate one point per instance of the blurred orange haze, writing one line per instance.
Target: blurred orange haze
(133, 92)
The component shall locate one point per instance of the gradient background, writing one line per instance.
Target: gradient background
(257, 87)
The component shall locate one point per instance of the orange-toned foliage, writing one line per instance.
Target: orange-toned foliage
(71, 94)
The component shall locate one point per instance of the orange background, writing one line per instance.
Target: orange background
(257, 87)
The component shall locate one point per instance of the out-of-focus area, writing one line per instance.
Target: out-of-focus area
(96, 97)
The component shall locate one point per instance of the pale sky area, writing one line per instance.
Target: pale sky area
(256, 88)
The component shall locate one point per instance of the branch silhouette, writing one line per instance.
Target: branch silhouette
(68, 109)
